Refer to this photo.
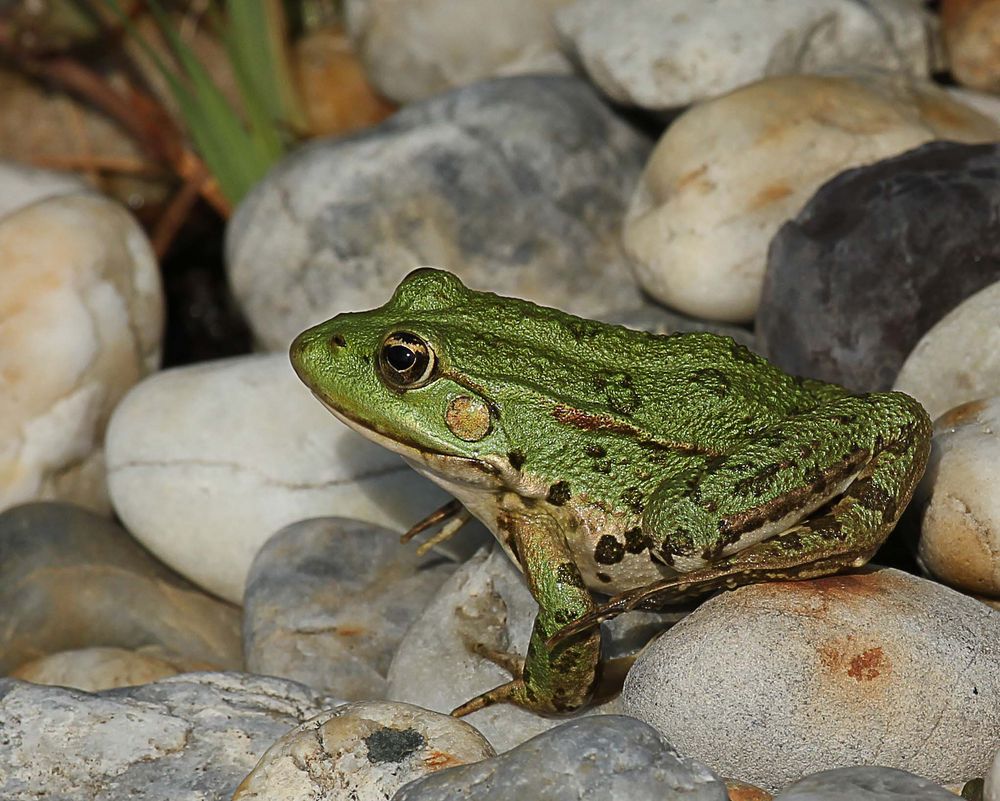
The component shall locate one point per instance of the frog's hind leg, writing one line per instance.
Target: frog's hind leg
(844, 534)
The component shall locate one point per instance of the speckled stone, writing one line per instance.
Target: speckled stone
(774, 681)
(70, 579)
(517, 185)
(206, 462)
(666, 53)
(362, 752)
(601, 757)
(958, 360)
(876, 258)
(22, 185)
(328, 600)
(189, 737)
(81, 313)
(958, 501)
(419, 48)
(864, 784)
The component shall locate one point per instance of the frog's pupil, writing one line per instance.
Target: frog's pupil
(400, 357)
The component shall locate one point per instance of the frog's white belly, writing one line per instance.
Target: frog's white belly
(485, 504)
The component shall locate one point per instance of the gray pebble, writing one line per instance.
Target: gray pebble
(192, 737)
(590, 759)
(328, 600)
(71, 579)
(879, 255)
(518, 185)
(868, 783)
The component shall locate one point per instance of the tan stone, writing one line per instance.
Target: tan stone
(364, 751)
(775, 681)
(958, 360)
(335, 90)
(960, 499)
(81, 317)
(94, 669)
(971, 30)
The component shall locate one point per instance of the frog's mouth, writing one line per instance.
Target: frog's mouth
(480, 473)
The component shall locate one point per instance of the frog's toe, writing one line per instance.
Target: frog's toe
(512, 691)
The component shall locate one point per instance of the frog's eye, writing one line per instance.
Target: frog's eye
(406, 361)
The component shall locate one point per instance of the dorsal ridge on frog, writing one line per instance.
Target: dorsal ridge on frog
(614, 460)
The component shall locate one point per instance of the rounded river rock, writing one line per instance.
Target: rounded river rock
(877, 257)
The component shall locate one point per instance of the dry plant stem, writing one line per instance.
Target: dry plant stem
(121, 165)
(177, 211)
(147, 122)
(144, 118)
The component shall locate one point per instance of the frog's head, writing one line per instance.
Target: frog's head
(395, 375)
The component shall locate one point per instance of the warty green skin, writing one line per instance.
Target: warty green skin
(603, 459)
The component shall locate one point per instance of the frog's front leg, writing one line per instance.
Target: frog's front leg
(558, 679)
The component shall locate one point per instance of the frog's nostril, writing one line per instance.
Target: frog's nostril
(338, 341)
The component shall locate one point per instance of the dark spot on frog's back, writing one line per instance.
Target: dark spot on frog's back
(567, 573)
(558, 493)
(636, 541)
(872, 496)
(595, 451)
(633, 498)
(790, 542)
(609, 551)
(713, 381)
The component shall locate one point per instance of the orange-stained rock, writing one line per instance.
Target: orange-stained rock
(971, 31)
(772, 682)
(738, 791)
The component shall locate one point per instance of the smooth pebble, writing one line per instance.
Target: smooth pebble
(206, 462)
(780, 680)
(363, 752)
(81, 297)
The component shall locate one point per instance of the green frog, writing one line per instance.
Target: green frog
(645, 467)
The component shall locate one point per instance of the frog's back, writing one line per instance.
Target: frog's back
(678, 385)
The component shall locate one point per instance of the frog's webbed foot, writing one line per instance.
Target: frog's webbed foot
(452, 514)
(512, 691)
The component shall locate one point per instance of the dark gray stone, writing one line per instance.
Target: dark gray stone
(590, 759)
(328, 600)
(877, 257)
(190, 737)
(518, 185)
(870, 783)
(72, 579)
